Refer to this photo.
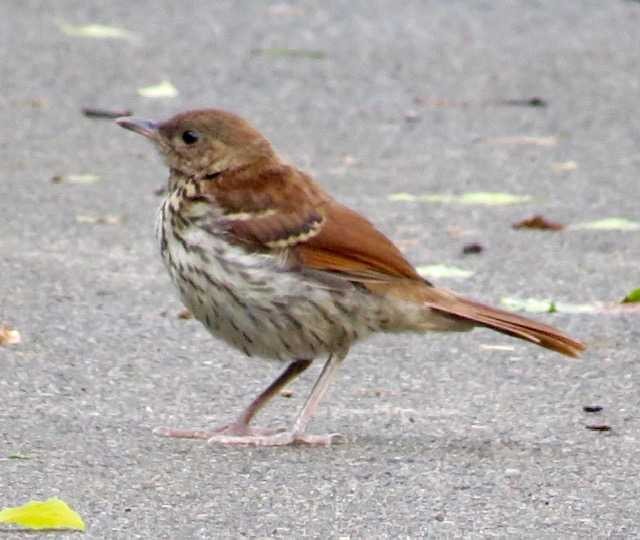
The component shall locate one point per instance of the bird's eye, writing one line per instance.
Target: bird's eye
(190, 136)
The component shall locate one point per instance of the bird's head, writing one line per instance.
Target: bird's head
(203, 142)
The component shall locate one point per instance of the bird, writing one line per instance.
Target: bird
(273, 265)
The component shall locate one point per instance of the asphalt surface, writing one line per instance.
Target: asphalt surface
(448, 437)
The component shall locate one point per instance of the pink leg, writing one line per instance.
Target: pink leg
(240, 427)
(297, 434)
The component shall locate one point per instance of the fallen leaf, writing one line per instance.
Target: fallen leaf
(508, 348)
(94, 112)
(185, 314)
(564, 166)
(633, 296)
(18, 456)
(97, 31)
(538, 222)
(472, 198)
(472, 248)
(598, 427)
(291, 53)
(9, 336)
(608, 224)
(75, 179)
(108, 219)
(443, 271)
(592, 408)
(536, 305)
(50, 514)
(163, 89)
(526, 102)
(286, 393)
(522, 140)
(35, 103)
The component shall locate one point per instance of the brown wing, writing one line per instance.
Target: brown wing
(278, 208)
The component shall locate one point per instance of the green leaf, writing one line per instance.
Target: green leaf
(443, 271)
(485, 198)
(161, 90)
(18, 455)
(633, 296)
(537, 305)
(50, 514)
(97, 31)
(608, 224)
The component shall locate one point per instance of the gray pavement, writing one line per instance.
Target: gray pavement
(447, 437)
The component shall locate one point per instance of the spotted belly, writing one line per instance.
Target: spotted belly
(255, 305)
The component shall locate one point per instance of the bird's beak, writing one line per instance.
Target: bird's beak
(148, 128)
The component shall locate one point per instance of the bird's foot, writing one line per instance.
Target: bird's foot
(286, 438)
(234, 430)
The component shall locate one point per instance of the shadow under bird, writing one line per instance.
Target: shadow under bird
(273, 265)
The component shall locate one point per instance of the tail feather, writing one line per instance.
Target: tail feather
(509, 323)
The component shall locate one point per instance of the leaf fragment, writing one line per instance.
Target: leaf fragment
(75, 178)
(564, 166)
(633, 296)
(53, 513)
(108, 219)
(164, 89)
(537, 305)
(443, 271)
(9, 336)
(538, 222)
(608, 224)
(97, 112)
(275, 52)
(486, 198)
(97, 31)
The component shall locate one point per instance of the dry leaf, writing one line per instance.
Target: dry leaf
(163, 89)
(97, 31)
(286, 393)
(487, 347)
(108, 219)
(538, 222)
(443, 271)
(9, 336)
(564, 166)
(75, 179)
(185, 314)
(608, 224)
(486, 198)
(472, 248)
(94, 112)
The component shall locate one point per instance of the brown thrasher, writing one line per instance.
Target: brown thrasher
(273, 265)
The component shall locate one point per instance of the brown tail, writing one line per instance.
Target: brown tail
(510, 324)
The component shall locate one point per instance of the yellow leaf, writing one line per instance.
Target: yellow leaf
(443, 271)
(50, 514)
(608, 224)
(97, 31)
(162, 90)
(474, 198)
